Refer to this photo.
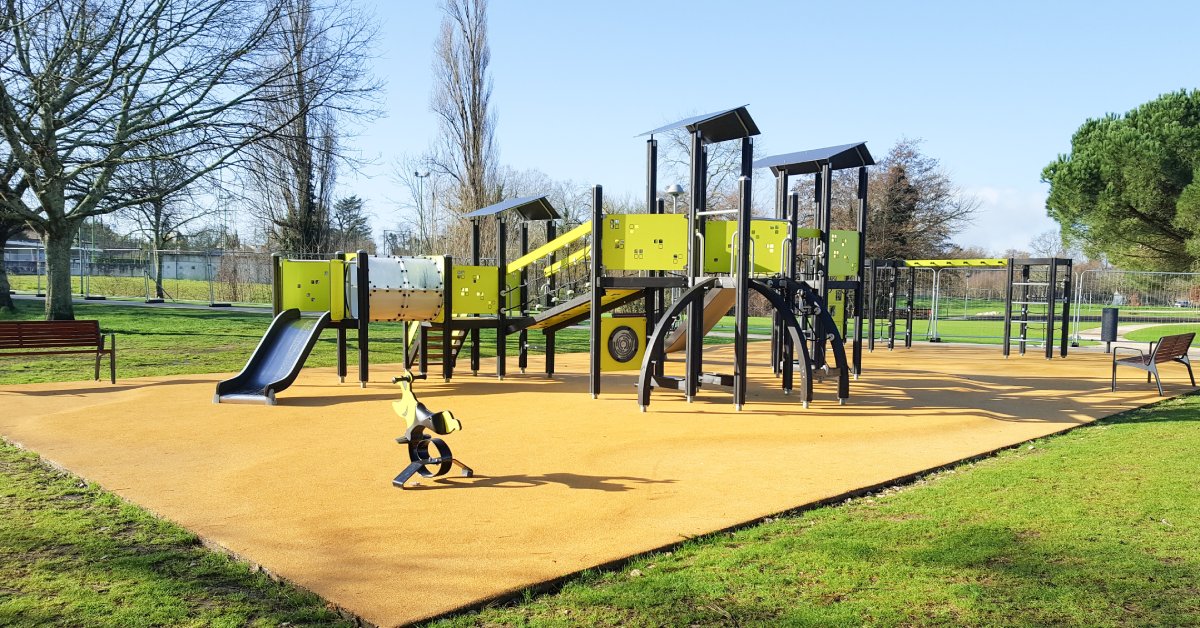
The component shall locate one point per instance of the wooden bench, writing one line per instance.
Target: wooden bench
(21, 338)
(1165, 349)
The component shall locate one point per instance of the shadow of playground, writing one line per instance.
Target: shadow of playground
(609, 484)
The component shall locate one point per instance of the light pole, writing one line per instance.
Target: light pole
(674, 191)
(421, 213)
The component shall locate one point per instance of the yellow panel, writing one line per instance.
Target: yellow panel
(767, 237)
(476, 290)
(843, 253)
(561, 242)
(808, 233)
(623, 341)
(512, 285)
(306, 285)
(645, 242)
(337, 290)
(837, 309)
(951, 263)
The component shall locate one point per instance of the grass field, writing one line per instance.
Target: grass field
(136, 288)
(1095, 527)
(1147, 334)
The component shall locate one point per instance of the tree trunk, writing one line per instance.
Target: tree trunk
(59, 304)
(6, 301)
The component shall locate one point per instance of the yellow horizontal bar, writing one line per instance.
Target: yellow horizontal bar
(571, 260)
(557, 243)
(952, 263)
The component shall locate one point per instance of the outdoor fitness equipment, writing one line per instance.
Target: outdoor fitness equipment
(420, 420)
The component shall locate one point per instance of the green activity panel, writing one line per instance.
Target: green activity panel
(306, 285)
(843, 253)
(644, 242)
(476, 290)
(768, 238)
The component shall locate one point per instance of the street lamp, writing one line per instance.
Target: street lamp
(674, 191)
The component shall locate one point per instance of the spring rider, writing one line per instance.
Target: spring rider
(420, 420)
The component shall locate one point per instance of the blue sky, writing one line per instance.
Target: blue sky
(994, 90)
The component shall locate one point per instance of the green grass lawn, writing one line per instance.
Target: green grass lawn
(1098, 527)
(182, 290)
(1147, 334)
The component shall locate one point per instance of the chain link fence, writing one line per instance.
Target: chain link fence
(204, 277)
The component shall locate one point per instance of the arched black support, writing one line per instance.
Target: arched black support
(792, 325)
(832, 335)
(654, 345)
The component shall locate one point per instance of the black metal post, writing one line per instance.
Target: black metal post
(694, 350)
(1066, 309)
(364, 315)
(502, 297)
(276, 284)
(908, 326)
(523, 297)
(1024, 307)
(651, 174)
(862, 268)
(742, 293)
(476, 255)
(1008, 303)
(872, 298)
(594, 345)
(551, 287)
(894, 287)
(1051, 306)
(826, 213)
(447, 323)
(788, 350)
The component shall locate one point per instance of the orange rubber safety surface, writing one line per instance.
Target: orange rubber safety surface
(563, 482)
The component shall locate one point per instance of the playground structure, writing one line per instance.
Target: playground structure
(1037, 297)
(810, 276)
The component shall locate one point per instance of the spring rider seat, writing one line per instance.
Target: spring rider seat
(420, 420)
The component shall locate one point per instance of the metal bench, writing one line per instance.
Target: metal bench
(1165, 349)
(22, 338)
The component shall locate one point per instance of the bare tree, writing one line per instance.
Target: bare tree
(462, 91)
(420, 216)
(324, 47)
(83, 84)
(10, 226)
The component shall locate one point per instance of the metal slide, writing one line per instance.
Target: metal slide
(275, 363)
(717, 304)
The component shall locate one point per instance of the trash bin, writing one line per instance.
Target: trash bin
(1108, 327)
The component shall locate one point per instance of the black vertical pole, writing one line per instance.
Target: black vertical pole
(341, 329)
(660, 301)
(871, 299)
(475, 260)
(1051, 307)
(597, 291)
(1066, 310)
(1024, 307)
(364, 315)
(523, 297)
(1008, 303)
(908, 324)
(651, 174)
(788, 353)
(894, 287)
(502, 297)
(551, 286)
(862, 268)
(276, 284)
(826, 212)
(778, 336)
(742, 293)
(695, 344)
(447, 324)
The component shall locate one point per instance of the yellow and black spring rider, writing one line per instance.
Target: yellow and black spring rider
(419, 420)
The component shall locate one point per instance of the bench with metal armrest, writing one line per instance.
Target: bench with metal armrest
(1165, 349)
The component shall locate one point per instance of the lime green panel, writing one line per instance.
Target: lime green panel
(644, 242)
(306, 285)
(767, 236)
(513, 290)
(837, 309)
(476, 290)
(337, 290)
(808, 232)
(843, 253)
(624, 343)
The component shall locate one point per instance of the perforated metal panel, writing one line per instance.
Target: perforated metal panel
(306, 285)
(624, 340)
(767, 237)
(843, 253)
(644, 242)
(476, 290)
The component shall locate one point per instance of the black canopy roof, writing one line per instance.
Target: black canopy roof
(529, 207)
(730, 124)
(809, 161)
